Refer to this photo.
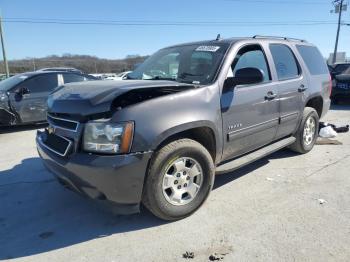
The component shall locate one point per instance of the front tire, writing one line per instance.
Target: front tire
(180, 178)
(307, 132)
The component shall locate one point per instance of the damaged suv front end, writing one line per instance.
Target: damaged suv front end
(99, 153)
(102, 134)
(6, 116)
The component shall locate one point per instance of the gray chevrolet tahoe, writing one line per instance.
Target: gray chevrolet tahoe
(189, 112)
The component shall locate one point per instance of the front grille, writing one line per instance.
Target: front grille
(63, 123)
(56, 144)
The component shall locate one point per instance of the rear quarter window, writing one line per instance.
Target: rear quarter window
(285, 62)
(313, 60)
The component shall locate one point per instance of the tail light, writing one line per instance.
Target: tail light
(330, 86)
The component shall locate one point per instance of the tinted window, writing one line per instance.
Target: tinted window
(313, 60)
(40, 83)
(285, 63)
(69, 78)
(251, 56)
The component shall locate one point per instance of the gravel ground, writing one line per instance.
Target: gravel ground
(285, 207)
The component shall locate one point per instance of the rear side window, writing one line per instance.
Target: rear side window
(313, 60)
(40, 83)
(285, 62)
(69, 78)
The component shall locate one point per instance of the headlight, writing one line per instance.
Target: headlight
(3, 97)
(109, 138)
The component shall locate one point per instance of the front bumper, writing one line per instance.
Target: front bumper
(118, 178)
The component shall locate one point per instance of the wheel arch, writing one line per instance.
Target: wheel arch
(203, 132)
(315, 102)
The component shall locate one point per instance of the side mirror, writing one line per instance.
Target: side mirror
(245, 76)
(23, 91)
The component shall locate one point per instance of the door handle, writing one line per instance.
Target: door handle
(302, 88)
(270, 95)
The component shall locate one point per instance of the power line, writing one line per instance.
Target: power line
(146, 21)
(164, 23)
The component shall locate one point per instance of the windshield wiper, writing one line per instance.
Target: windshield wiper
(178, 80)
(161, 78)
(185, 74)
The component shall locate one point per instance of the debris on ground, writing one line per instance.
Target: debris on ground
(217, 256)
(321, 201)
(338, 129)
(45, 235)
(188, 255)
(327, 141)
(327, 132)
(270, 179)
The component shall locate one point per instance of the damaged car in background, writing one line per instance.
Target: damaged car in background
(187, 113)
(23, 97)
(341, 83)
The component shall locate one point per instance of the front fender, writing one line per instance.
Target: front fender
(159, 118)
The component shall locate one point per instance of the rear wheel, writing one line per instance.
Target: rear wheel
(179, 180)
(307, 132)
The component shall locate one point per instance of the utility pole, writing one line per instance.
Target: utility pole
(340, 3)
(3, 49)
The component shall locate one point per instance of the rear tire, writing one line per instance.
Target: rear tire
(179, 180)
(307, 132)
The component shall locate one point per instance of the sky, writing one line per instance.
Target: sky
(142, 27)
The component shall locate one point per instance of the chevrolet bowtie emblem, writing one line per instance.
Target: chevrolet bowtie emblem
(51, 130)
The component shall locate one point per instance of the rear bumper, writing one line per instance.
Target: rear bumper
(326, 106)
(118, 178)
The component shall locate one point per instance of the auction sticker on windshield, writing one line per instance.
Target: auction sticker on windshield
(208, 48)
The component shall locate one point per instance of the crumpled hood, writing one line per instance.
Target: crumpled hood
(92, 97)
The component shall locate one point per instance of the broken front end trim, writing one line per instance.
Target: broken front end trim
(116, 179)
(7, 118)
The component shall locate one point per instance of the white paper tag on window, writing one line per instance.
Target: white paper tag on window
(208, 48)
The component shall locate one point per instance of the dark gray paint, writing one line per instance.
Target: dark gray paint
(260, 120)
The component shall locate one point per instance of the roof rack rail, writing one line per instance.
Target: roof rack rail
(279, 37)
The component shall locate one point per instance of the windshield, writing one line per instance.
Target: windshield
(346, 71)
(10, 82)
(195, 64)
(340, 69)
